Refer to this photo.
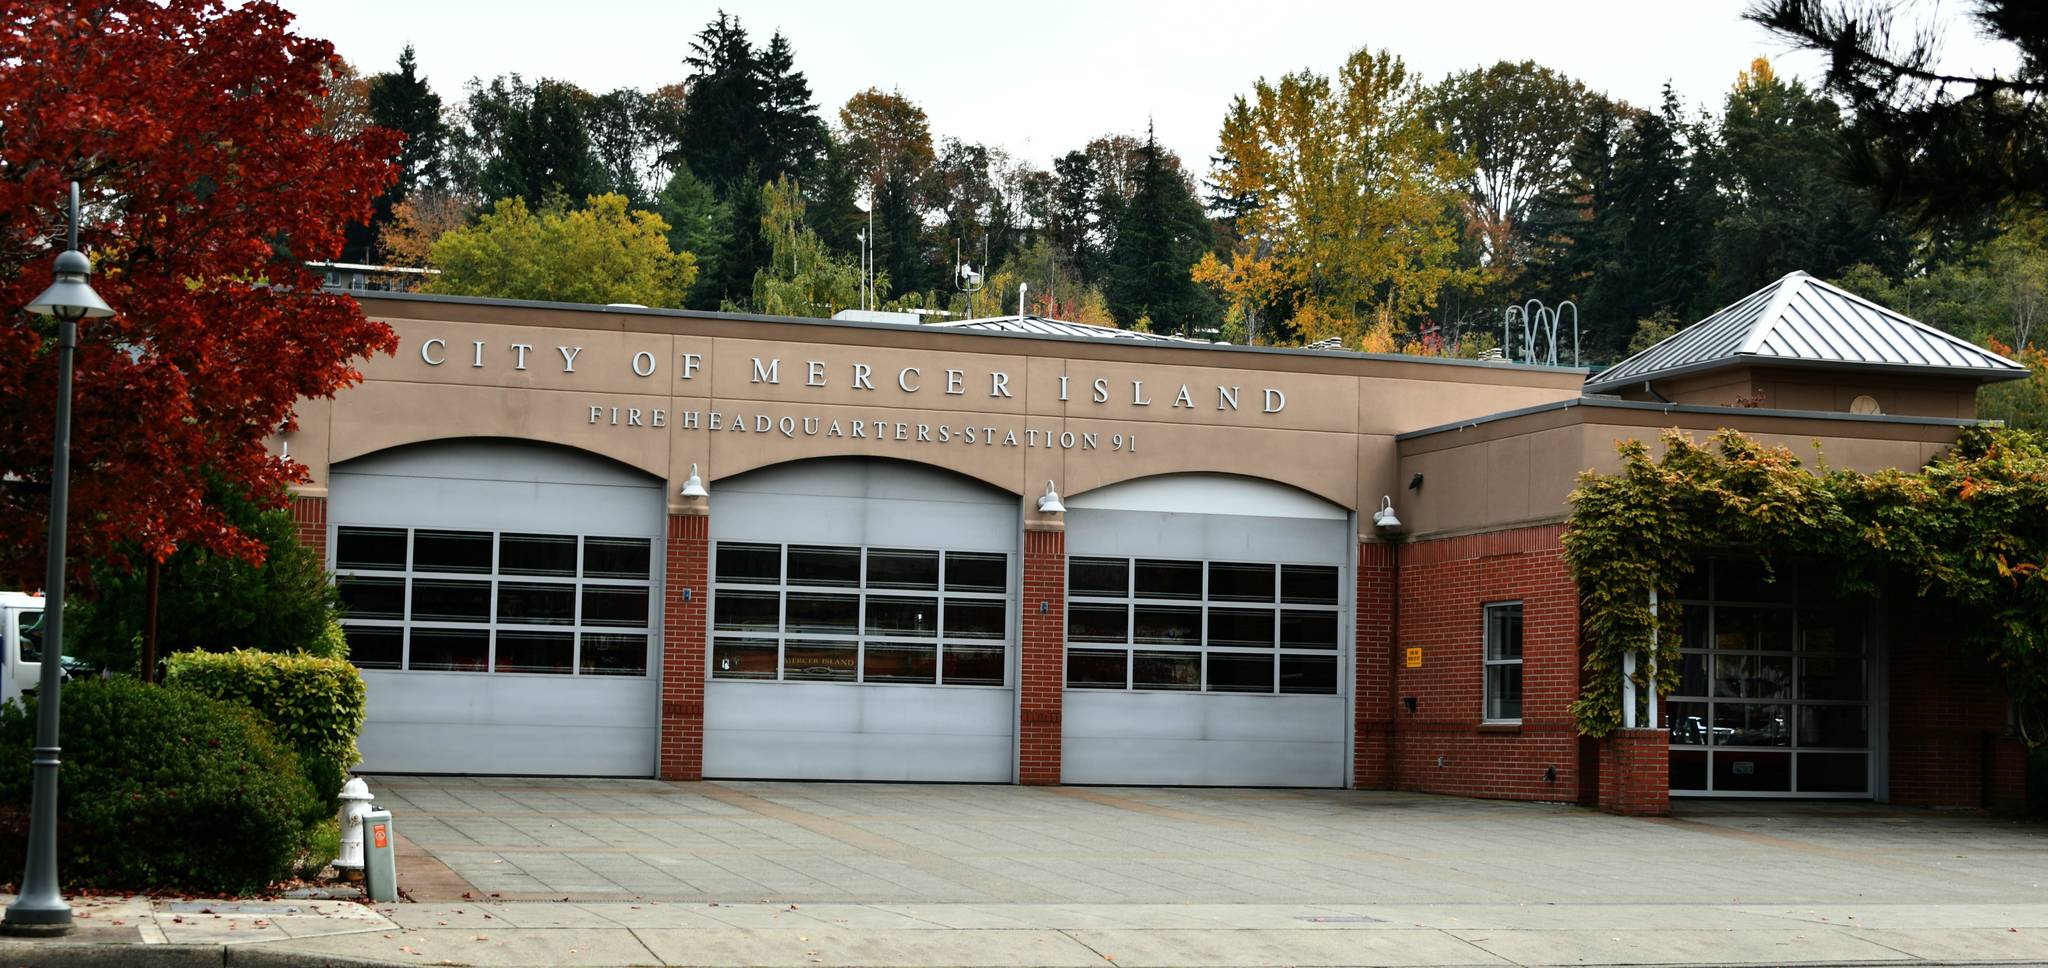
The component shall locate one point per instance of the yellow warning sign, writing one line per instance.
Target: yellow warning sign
(1414, 658)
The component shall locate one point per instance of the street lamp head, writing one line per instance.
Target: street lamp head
(70, 296)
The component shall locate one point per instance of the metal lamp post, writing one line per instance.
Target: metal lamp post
(41, 908)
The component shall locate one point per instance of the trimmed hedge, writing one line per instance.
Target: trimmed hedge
(314, 705)
(160, 789)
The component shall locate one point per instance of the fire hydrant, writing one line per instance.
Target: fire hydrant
(355, 801)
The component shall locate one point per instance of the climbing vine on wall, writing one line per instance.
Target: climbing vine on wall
(1968, 533)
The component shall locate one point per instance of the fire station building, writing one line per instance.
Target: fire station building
(615, 541)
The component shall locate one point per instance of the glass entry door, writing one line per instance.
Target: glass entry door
(1775, 686)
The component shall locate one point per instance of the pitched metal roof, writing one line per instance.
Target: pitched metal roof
(1802, 321)
(1057, 327)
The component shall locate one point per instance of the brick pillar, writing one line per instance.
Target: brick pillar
(2006, 786)
(309, 520)
(1042, 665)
(1372, 743)
(1635, 773)
(683, 645)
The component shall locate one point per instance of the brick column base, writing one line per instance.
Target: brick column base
(309, 521)
(685, 600)
(1635, 773)
(2007, 784)
(1042, 665)
(1372, 657)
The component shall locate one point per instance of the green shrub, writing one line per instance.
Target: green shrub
(213, 602)
(161, 789)
(314, 705)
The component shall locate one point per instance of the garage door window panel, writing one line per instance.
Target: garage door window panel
(1774, 685)
(853, 614)
(1227, 626)
(514, 603)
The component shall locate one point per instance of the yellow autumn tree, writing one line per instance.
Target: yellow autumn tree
(1348, 201)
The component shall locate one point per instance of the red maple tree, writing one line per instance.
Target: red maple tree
(195, 132)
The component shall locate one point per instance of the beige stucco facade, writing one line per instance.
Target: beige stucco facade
(663, 392)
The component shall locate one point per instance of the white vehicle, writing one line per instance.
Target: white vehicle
(21, 628)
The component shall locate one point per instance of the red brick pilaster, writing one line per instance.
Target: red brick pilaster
(1042, 657)
(1635, 773)
(685, 599)
(1372, 744)
(309, 520)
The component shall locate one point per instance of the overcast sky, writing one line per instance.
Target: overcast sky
(1040, 78)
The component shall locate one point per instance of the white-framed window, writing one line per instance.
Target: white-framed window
(1503, 660)
(429, 600)
(1202, 626)
(827, 613)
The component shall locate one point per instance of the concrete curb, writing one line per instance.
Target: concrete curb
(88, 954)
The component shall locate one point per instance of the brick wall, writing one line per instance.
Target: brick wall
(1373, 739)
(1042, 657)
(1947, 717)
(683, 646)
(1635, 773)
(1442, 746)
(309, 519)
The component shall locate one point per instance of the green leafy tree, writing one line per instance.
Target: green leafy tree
(600, 253)
(888, 146)
(205, 601)
(1517, 122)
(622, 141)
(1160, 234)
(803, 277)
(1348, 200)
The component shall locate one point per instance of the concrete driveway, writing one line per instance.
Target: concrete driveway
(782, 843)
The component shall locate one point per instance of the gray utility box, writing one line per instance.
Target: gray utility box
(380, 856)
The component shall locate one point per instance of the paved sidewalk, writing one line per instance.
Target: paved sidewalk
(599, 872)
(533, 934)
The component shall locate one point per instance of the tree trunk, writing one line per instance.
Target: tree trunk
(149, 621)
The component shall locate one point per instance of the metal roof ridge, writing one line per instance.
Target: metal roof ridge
(1773, 313)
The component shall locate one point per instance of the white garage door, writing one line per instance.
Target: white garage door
(1204, 648)
(503, 604)
(861, 614)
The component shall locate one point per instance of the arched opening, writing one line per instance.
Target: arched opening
(1209, 634)
(504, 606)
(862, 624)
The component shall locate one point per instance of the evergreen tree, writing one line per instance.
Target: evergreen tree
(727, 118)
(1944, 147)
(831, 196)
(401, 101)
(796, 135)
(1159, 235)
(899, 236)
(729, 283)
(1072, 213)
(1787, 209)
(697, 220)
(528, 141)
